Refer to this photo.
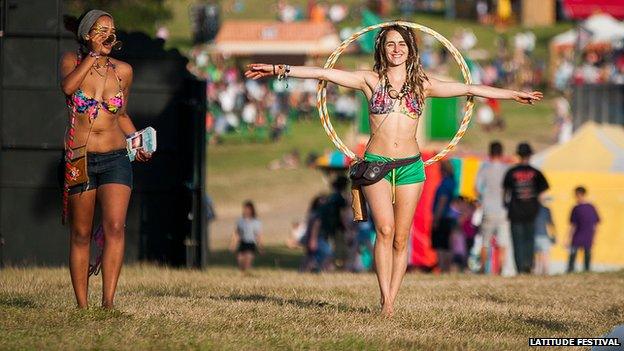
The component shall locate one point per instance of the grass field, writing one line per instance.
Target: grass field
(167, 309)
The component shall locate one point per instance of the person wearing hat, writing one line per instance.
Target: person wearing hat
(523, 185)
(96, 89)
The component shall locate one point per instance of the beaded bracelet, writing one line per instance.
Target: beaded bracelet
(283, 73)
(94, 54)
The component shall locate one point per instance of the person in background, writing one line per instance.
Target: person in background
(583, 221)
(333, 226)
(489, 188)
(247, 238)
(310, 239)
(523, 186)
(443, 219)
(544, 237)
(459, 243)
(562, 120)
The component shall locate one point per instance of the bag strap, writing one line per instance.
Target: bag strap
(69, 154)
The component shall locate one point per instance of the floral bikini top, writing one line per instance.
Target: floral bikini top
(79, 102)
(381, 102)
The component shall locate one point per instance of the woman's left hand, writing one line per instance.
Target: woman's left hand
(143, 156)
(527, 98)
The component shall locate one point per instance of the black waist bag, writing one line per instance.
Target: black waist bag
(364, 172)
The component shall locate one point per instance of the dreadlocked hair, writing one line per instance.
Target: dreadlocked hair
(415, 74)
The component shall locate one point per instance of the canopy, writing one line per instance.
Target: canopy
(580, 9)
(250, 37)
(593, 158)
(594, 147)
(598, 29)
(333, 160)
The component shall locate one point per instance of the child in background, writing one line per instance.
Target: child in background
(544, 237)
(583, 221)
(247, 236)
(462, 238)
(460, 211)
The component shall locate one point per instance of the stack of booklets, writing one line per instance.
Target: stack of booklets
(144, 139)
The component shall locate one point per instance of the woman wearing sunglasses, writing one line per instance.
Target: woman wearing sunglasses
(96, 164)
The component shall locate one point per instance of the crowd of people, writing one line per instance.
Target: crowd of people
(263, 110)
(508, 229)
(595, 68)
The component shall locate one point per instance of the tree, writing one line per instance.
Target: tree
(130, 15)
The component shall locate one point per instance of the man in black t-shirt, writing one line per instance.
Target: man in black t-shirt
(523, 185)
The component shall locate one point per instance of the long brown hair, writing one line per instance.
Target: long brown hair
(415, 74)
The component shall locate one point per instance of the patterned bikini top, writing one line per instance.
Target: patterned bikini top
(79, 102)
(381, 102)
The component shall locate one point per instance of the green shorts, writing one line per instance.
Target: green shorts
(409, 174)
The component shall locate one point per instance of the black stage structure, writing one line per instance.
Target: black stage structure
(165, 218)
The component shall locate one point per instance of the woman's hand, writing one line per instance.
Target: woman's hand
(260, 70)
(527, 98)
(97, 43)
(143, 156)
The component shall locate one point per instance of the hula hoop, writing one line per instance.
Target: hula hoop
(321, 92)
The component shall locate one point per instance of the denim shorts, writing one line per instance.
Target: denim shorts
(106, 168)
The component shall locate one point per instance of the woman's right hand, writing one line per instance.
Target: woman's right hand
(97, 43)
(259, 70)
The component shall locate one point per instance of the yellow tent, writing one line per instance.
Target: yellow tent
(593, 158)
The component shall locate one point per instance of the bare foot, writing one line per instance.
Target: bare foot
(387, 310)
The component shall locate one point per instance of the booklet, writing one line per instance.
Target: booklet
(144, 139)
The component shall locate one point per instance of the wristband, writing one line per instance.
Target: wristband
(94, 54)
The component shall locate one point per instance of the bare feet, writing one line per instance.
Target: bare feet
(387, 310)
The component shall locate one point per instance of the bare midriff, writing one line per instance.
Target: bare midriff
(397, 136)
(106, 135)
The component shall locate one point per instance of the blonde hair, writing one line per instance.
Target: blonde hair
(415, 74)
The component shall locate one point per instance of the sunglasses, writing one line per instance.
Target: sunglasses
(111, 39)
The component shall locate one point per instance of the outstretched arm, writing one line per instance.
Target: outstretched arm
(439, 88)
(353, 80)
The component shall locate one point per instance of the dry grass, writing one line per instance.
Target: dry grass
(160, 308)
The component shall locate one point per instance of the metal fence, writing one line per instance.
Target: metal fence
(601, 103)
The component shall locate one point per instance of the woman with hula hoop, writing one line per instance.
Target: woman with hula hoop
(396, 89)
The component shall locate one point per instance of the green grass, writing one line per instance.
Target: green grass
(523, 123)
(170, 309)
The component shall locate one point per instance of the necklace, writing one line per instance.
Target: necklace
(393, 93)
(97, 71)
(96, 67)
(105, 64)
